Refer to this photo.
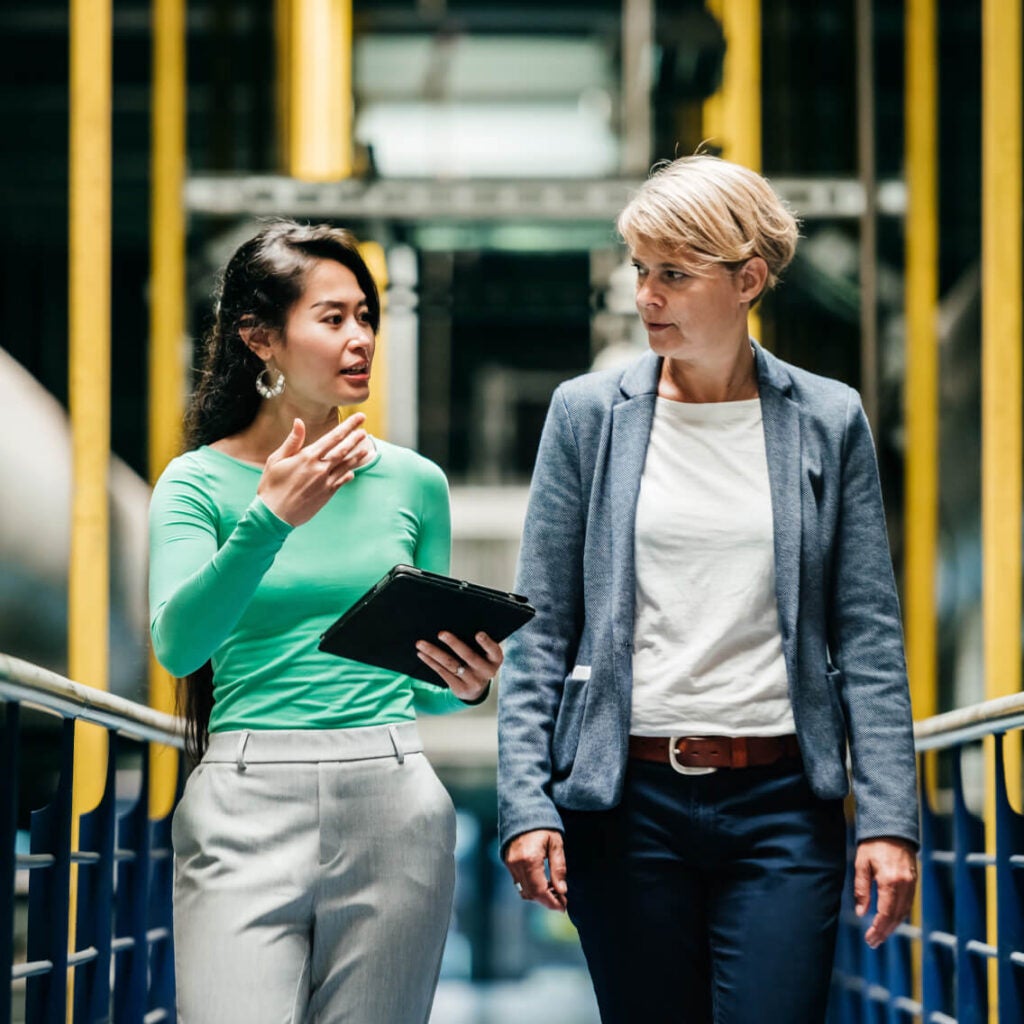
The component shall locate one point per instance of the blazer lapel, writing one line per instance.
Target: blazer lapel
(781, 418)
(630, 432)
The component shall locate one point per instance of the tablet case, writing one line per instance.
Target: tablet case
(411, 604)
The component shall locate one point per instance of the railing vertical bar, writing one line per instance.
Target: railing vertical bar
(161, 913)
(131, 972)
(9, 737)
(1010, 889)
(937, 963)
(95, 898)
(969, 906)
(49, 894)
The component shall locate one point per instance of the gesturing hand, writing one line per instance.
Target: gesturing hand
(525, 859)
(464, 669)
(297, 482)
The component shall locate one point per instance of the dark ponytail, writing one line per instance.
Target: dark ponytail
(260, 284)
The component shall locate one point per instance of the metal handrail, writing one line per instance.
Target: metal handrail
(24, 681)
(962, 725)
(112, 886)
(30, 684)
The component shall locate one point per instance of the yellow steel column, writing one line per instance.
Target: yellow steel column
(166, 312)
(315, 87)
(1001, 384)
(89, 388)
(376, 407)
(921, 388)
(732, 116)
(921, 409)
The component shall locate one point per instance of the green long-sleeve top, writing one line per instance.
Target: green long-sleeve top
(232, 583)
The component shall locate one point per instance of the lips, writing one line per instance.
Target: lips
(359, 370)
(656, 327)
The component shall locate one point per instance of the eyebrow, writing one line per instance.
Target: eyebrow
(660, 266)
(339, 303)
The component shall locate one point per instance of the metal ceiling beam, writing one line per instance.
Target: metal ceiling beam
(490, 200)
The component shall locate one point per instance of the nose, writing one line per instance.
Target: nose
(646, 294)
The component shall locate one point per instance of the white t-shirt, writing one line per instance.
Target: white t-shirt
(707, 652)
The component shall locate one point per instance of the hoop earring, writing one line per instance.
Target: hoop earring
(269, 390)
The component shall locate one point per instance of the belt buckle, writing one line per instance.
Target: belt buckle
(673, 759)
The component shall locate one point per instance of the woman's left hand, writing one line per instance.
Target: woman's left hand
(464, 670)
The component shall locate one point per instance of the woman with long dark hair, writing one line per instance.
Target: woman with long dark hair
(314, 843)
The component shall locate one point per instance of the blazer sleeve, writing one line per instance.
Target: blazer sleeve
(866, 645)
(550, 574)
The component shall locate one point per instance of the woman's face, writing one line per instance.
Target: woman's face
(687, 315)
(327, 346)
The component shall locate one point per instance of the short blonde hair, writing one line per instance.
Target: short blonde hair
(709, 212)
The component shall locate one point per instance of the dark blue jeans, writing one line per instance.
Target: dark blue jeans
(710, 898)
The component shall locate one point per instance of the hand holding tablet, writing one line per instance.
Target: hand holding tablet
(411, 605)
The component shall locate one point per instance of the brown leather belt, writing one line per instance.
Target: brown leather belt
(714, 751)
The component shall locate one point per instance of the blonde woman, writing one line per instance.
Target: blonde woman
(717, 625)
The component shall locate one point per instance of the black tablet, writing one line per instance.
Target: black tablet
(410, 604)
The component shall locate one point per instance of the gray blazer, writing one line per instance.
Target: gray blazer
(565, 696)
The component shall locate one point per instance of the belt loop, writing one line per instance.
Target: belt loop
(399, 752)
(240, 752)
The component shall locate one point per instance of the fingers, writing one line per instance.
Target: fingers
(324, 444)
(556, 865)
(469, 656)
(862, 876)
(525, 860)
(292, 443)
(345, 448)
(892, 864)
(466, 685)
(491, 648)
(462, 668)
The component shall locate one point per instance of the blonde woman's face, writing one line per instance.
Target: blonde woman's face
(686, 314)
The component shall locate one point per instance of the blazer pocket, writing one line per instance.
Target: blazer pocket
(834, 683)
(569, 721)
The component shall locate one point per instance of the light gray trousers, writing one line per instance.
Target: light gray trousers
(314, 873)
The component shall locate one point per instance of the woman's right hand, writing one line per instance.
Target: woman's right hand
(298, 481)
(525, 859)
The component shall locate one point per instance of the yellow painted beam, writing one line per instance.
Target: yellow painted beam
(376, 407)
(89, 367)
(1001, 369)
(315, 87)
(921, 387)
(921, 408)
(89, 228)
(283, 78)
(732, 116)
(166, 313)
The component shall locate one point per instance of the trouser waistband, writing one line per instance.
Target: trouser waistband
(282, 746)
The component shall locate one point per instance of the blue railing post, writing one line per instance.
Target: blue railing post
(95, 898)
(938, 942)
(132, 971)
(161, 912)
(969, 907)
(9, 738)
(49, 894)
(1010, 886)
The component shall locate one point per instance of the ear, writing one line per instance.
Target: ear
(752, 278)
(256, 337)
